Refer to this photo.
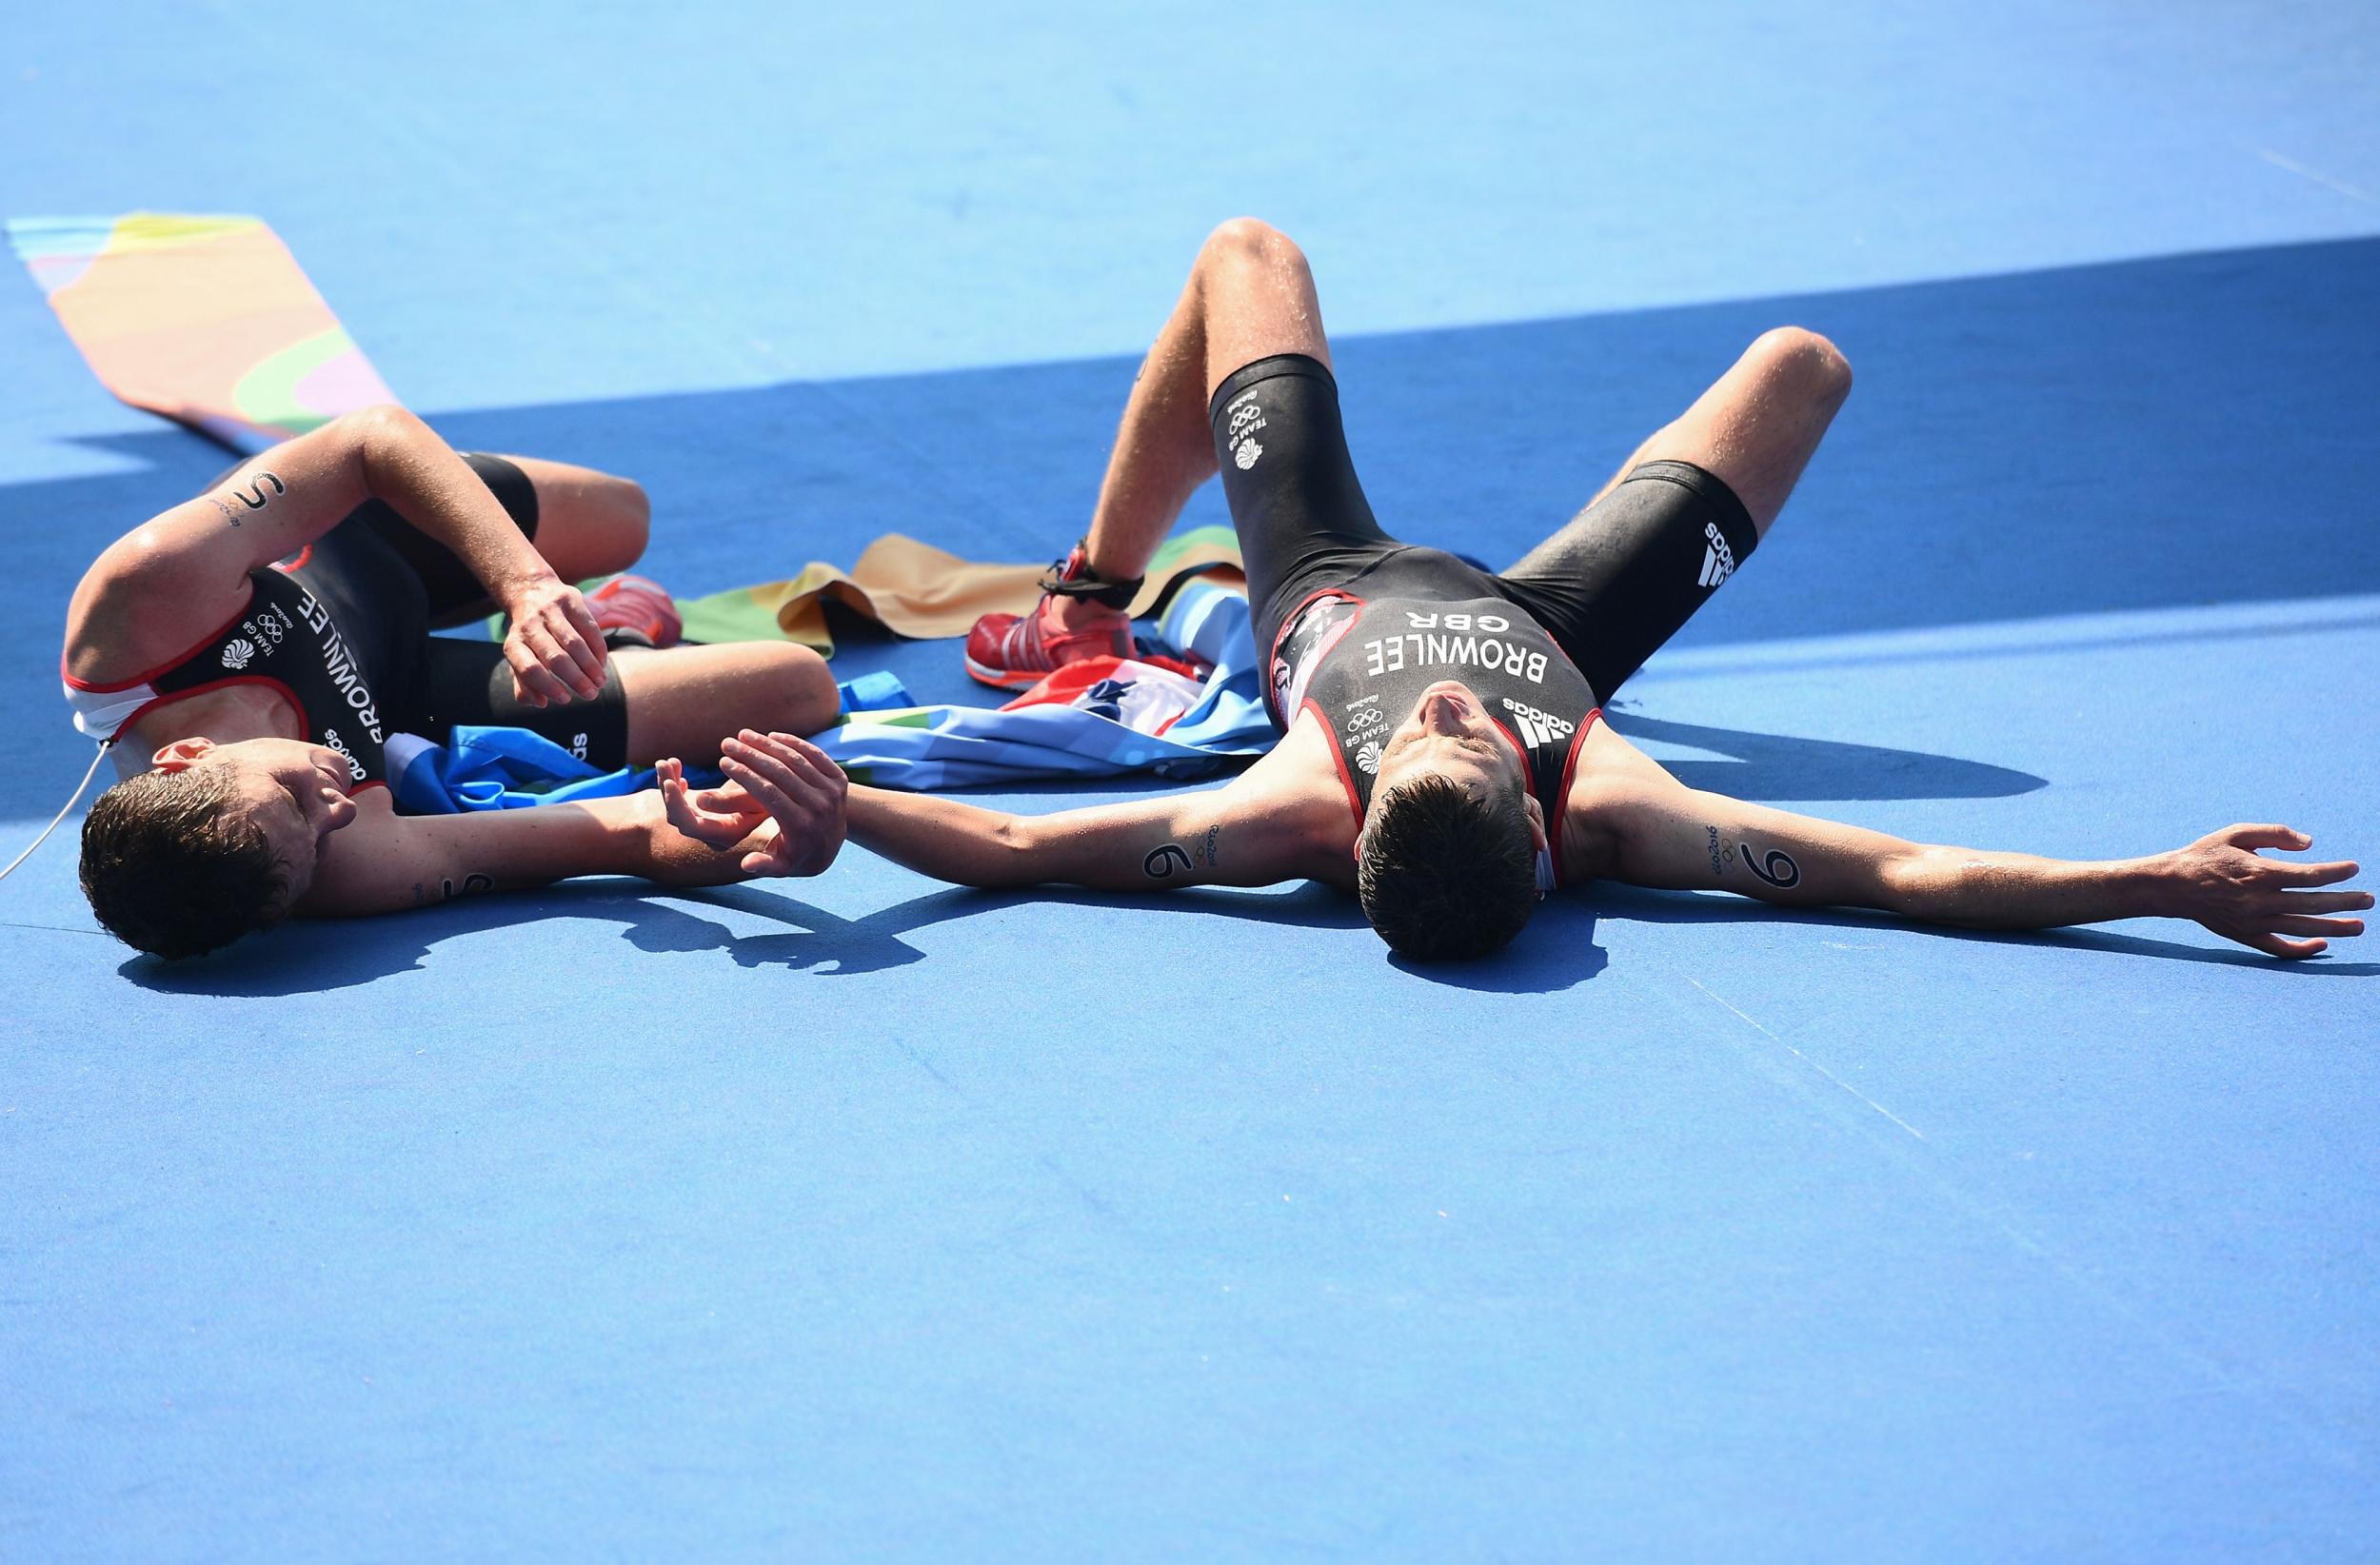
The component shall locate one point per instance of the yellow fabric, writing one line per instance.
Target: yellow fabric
(919, 591)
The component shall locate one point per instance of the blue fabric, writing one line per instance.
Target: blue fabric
(885, 740)
(951, 746)
(495, 768)
(498, 768)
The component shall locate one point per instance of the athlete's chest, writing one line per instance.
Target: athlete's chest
(286, 666)
(1362, 664)
(1362, 667)
(1392, 643)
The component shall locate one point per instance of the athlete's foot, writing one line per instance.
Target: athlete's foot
(1014, 651)
(637, 611)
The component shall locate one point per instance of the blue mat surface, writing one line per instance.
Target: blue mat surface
(861, 1218)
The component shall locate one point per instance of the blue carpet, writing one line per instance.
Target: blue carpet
(861, 1218)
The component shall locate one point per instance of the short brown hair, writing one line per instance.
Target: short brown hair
(1444, 876)
(170, 872)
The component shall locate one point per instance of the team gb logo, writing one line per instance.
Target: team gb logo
(238, 652)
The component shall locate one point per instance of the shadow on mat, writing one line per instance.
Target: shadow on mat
(315, 955)
(1633, 902)
(1771, 766)
(1557, 952)
(318, 955)
(824, 942)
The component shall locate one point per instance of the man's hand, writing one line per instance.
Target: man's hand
(783, 805)
(554, 646)
(2225, 884)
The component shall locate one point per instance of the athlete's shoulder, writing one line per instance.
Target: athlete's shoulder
(1607, 763)
(1609, 779)
(1293, 793)
(140, 606)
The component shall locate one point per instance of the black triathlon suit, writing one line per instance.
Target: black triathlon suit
(341, 630)
(1355, 626)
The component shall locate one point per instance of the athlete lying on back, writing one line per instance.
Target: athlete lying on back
(254, 653)
(1441, 751)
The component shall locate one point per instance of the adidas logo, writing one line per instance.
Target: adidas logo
(1719, 561)
(1538, 728)
(238, 652)
(355, 767)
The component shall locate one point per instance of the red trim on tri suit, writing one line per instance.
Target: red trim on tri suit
(166, 668)
(287, 694)
(1510, 739)
(1528, 773)
(1272, 653)
(171, 697)
(1562, 794)
(1338, 761)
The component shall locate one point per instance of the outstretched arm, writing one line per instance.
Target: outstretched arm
(1247, 833)
(1677, 837)
(385, 862)
(1143, 844)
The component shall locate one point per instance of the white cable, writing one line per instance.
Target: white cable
(70, 804)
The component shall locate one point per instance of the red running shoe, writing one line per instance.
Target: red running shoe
(636, 609)
(1015, 651)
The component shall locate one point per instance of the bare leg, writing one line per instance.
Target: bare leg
(683, 701)
(589, 523)
(1757, 424)
(1618, 580)
(1250, 295)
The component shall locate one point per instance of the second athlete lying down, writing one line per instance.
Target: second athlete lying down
(1441, 752)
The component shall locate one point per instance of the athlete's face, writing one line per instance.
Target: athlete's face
(295, 793)
(1449, 733)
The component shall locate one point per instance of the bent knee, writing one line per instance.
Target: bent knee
(621, 523)
(1250, 239)
(1803, 364)
(801, 697)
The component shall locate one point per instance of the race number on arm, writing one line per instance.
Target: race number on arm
(1661, 833)
(1265, 826)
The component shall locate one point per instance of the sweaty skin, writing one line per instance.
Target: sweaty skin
(1626, 818)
